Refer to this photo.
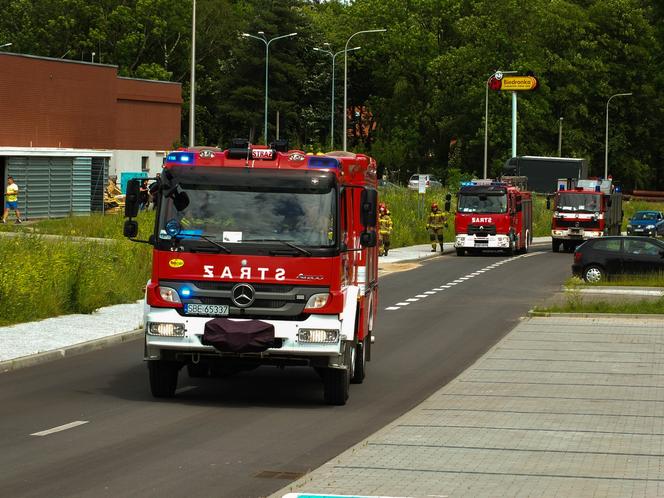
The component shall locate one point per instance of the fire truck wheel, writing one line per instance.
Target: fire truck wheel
(163, 377)
(360, 369)
(336, 383)
(594, 274)
(460, 251)
(555, 245)
(510, 251)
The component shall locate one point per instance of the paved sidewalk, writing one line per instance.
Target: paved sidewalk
(562, 406)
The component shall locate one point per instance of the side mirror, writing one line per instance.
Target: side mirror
(519, 203)
(548, 202)
(448, 202)
(368, 208)
(130, 229)
(131, 198)
(368, 239)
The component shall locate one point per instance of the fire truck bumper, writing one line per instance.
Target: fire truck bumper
(485, 242)
(318, 335)
(576, 234)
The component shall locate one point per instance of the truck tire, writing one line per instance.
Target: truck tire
(510, 251)
(336, 383)
(460, 251)
(360, 369)
(526, 244)
(163, 377)
(555, 245)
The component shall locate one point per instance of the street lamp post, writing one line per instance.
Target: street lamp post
(560, 137)
(267, 55)
(606, 139)
(486, 114)
(345, 131)
(334, 56)
(192, 83)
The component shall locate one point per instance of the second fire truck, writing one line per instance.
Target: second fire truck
(493, 215)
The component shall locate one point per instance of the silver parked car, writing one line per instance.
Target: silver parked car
(430, 181)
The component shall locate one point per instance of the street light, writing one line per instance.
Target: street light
(334, 56)
(606, 140)
(192, 82)
(346, 80)
(267, 54)
(486, 113)
(560, 137)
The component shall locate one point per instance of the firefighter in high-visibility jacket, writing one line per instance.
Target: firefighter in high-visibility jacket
(436, 223)
(384, 229)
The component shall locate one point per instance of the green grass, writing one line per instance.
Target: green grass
(575, 305)
(99, 225)
(42, 278)
(652, 280)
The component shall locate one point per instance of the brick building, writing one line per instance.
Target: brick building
(65, 126)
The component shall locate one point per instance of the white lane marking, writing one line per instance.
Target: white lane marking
(458, 281)
(480, 271)
(444, 286)
(451, 283)
(412, 299)
(184, 389)
(429, 292)
(464, 278)
(391, 308)
(474, 274)
(403, 304)
(60, 428)
(421, 296)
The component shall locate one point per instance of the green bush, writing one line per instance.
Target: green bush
(42, 278)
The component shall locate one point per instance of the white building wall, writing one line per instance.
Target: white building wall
(135, 161)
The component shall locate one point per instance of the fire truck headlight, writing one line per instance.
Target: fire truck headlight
(166, 329)
(169, 295)
(320, 336)
(317, 301)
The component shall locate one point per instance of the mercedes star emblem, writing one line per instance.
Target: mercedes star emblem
(243, 295)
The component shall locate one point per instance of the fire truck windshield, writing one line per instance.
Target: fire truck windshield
(482, 203)
(577, 201)
(238, 216)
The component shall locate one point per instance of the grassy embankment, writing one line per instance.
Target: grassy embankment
(41, 278)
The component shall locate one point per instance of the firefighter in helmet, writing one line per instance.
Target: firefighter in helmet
(436, 223)
(384, 229)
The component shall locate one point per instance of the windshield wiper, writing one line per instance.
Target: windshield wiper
(285, 242)
(211, 241)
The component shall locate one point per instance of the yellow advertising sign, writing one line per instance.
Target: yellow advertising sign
(518, 83)
(176, 263)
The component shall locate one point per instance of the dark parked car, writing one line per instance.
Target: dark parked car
(597, 260)
(650, 223)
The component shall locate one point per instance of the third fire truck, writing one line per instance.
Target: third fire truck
(493, 215)
(584, 209)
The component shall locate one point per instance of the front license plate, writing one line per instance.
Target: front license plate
(206, 309)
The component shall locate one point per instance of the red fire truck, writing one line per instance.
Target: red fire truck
(584, 209)
(492, 215)
(262, 256)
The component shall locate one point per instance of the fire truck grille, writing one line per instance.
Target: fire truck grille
(208, 285)
(577, 223)
(258, 303)
(482, 230)
(269, 300)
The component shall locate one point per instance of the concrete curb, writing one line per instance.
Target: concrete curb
(73, 350)
(642, 316)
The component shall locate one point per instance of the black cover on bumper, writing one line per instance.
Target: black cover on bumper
(228, 336)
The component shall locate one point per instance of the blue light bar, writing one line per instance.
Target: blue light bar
(323, 162)
(185, 291)
(180, 158)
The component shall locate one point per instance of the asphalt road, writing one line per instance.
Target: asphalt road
(252, 434)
